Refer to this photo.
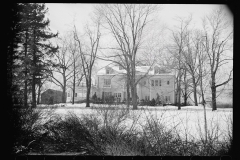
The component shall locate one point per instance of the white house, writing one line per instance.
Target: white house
(80, 91)
(111, 80)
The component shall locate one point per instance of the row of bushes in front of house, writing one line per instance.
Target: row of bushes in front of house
(111, 100)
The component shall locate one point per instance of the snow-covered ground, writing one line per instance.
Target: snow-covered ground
(189, 121)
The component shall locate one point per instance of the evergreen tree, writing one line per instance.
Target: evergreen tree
(12, 40)
(35, 34)
(13, 29)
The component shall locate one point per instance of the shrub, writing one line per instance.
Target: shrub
(224, 105)
(142, 102)
(73, 134)
(28, 128)
(94, 98)
(113, 131)
(152, 102)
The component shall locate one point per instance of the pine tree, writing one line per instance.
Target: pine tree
(12, 40)
(35, 33)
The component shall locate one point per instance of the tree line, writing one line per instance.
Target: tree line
(196, 55)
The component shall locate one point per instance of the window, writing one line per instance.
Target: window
(159, 82)
(156, 82)
(167, 98)
(68, 94)
(156, 71)
(75, 94)
(107, 94)
(107, 83)
(168, 82)
(152, 82)
(119, 95)
(107, 71)
(147, 98)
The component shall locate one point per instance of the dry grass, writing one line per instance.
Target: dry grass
(119, 132)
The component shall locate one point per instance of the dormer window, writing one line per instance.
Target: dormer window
(156, 71)
(107, 71)
(120, 67)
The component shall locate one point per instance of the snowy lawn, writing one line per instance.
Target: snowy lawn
(188, 122)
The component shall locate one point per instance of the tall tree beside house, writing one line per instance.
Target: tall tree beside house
(77, 74)
(26, 39)
(186, 85)
(61, 66)
(177, 49)
(127, 23)
(218, 34)
(190, 59)
(36, 46)
(88, 53)
(13, 38)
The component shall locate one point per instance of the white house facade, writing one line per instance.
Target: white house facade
(111, 81)
(154, 82)
(80, 92)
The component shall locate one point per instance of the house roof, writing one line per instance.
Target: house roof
(139, 70)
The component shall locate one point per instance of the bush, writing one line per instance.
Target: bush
(152, 102)
(109, 100)
(28, 128)
(115, 132)
(83, 101)
(224, 105)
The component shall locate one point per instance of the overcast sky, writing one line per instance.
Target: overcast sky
(61, 15)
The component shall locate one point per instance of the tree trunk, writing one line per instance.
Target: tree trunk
(185, 88)
(64, 93)
(73, 97)
(39, 91)
(34, 70)
(195, 93)
(25, 91)
(128, 96)
(134, 96)
(204, 107)
(88, 82)
(25, 81)
(33, 92)
(213, 88)
(179, 91)
(88, 96)
(185, 98)
(74, 81)
(128, 88)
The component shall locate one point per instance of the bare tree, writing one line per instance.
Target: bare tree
(217, 41)
(202, 72)
(127, 22)
(61, 65)
(77, 74)
(39, 89)
(178, 48)
(186, 86)
(191, 62)
(88, 53)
